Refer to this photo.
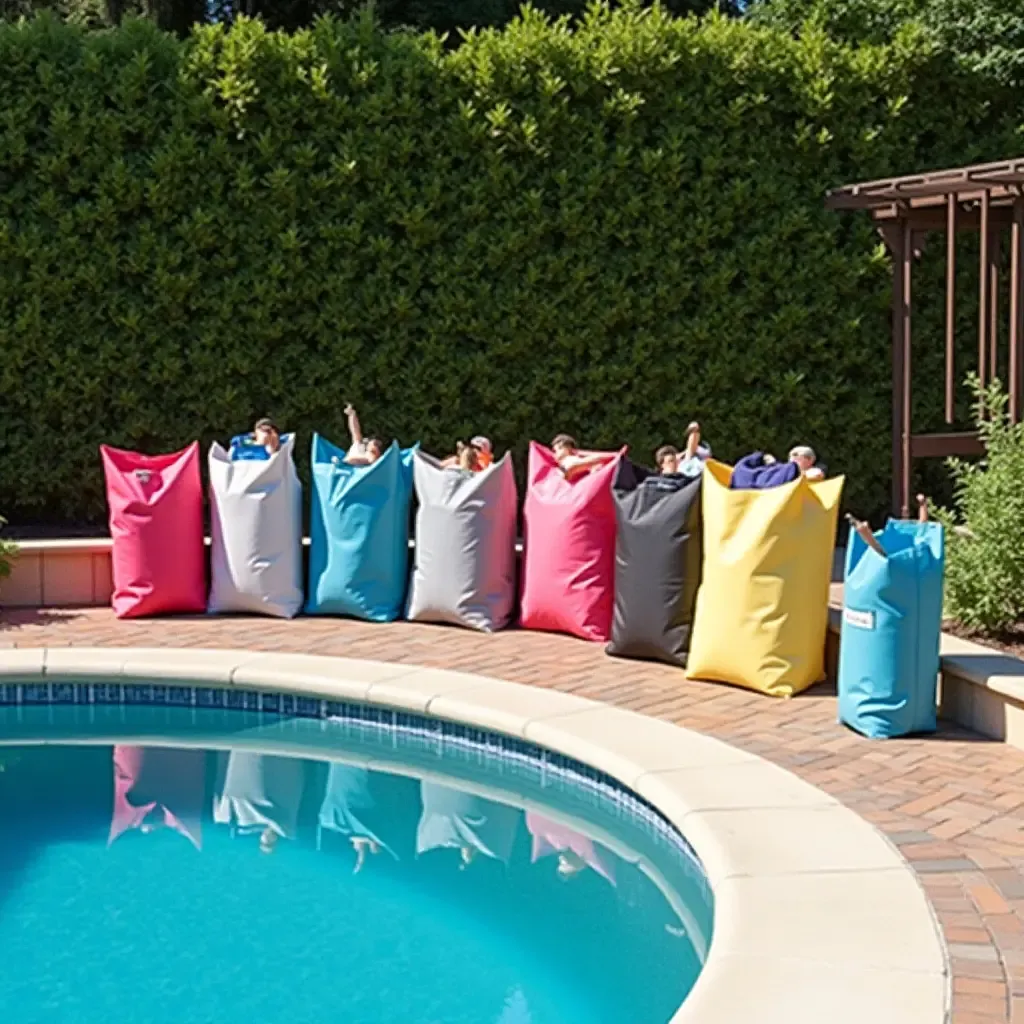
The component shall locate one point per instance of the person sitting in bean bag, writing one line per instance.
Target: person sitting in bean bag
(473, 457)
(363, 451)
(466, 460)
(573, 462)
(484, 452)
(264, 440)
(689, 463)
(804, 457)
(760, 471)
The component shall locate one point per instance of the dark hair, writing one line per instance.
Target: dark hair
(565, 440)
(663, 453)
(267, 422)
(376, 441)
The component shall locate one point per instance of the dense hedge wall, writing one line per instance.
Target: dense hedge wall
(610, 230)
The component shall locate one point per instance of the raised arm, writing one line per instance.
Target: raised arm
(692, 440)
(355, 431)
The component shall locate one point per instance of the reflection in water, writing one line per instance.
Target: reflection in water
(260, 793)
(375, 925)
(158, 786)
(574, 850)
(368, 809)
(454, 819)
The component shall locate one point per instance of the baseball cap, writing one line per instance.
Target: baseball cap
(482, 443)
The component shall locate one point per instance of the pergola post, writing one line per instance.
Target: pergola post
(898, 368)
(951, 202)
(1016, 308)
(905, 432)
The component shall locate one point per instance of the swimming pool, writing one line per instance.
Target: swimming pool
(816, 916)
(178, 852)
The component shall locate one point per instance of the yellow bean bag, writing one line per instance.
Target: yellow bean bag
(762, 607)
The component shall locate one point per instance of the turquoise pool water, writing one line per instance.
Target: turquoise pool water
(204, 866)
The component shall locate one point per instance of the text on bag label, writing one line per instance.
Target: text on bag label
(862, 620)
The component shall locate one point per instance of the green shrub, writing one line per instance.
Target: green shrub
(610, 230)
(8, 552)
(985, 529)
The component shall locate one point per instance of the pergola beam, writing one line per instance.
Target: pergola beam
(1003, 176)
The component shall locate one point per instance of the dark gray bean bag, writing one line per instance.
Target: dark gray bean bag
(657, 563)
(464, 570)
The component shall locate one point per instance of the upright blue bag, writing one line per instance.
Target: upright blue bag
(892, 624)
(359, 533)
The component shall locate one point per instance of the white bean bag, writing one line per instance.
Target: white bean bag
(465, 545)
(256, 514)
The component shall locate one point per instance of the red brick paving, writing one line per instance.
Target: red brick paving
(952, 803)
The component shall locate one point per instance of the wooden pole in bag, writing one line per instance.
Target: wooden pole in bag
(863, 530)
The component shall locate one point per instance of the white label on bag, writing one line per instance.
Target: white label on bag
(143, 475)
(862, 620)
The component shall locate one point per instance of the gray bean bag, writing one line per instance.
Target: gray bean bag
(464, 571)
(657, 563)
(259, 791)
(256, 533)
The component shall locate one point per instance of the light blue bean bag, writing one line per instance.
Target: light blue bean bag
(892, 621)
(359, 533)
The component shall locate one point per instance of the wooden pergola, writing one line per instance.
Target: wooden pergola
(988, 198)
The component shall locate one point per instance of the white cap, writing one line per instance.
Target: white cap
(482, 443)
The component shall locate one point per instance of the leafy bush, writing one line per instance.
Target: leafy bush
(609, 230)
(8, 551)
(987, 36)
(985, 530)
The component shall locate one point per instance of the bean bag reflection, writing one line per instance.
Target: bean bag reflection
(257, 792)
(574, 850)
(657, 563)
(359, 533)
(762, 607)
(158, 787)
(456, 820)
(256, 528)
(464, 571)
(892, 625)
(569, 558)
(158, 561)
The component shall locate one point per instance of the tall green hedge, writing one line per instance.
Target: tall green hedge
(609, 230)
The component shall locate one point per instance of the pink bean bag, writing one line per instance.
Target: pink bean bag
(158, 787)
(550, 838)
(156, 522)
(569, 561)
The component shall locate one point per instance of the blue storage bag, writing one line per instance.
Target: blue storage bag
(892, 623)
(359, 533)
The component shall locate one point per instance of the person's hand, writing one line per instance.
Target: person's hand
(349, 409)
(693, 428)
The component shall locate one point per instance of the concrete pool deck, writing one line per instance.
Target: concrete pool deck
(953, 804)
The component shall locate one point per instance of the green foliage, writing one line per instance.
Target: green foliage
(986, 36)
(985, 529)
(447, 16)
(8, 552)
(611, 230)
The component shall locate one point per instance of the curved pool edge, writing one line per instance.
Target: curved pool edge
(817, 917)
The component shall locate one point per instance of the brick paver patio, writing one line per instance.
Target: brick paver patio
(952, 803)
